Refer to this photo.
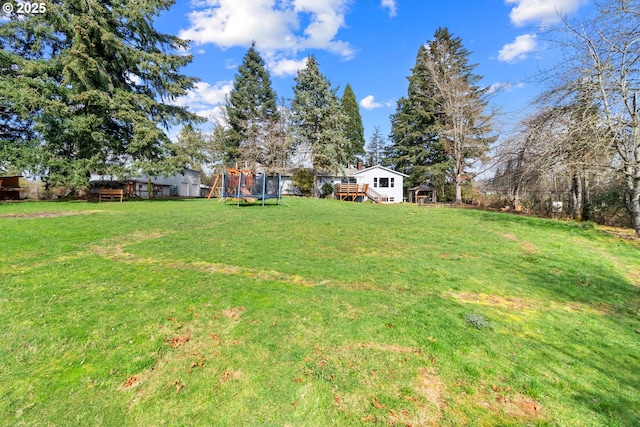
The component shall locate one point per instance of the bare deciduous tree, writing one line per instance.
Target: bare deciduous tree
(604, 57)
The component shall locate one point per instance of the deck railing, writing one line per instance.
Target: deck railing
(352, 188)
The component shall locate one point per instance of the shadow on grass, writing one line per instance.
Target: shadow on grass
(614, 390)
(581, 276)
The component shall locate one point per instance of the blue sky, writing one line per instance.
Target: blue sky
(370, 44)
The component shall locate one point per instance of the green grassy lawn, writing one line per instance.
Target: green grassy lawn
(320, 313)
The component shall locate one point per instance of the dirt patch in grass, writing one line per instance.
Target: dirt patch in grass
(513, 405)
(622, 233)
(114, 247)
(268, 275)
(234, 312)
(429, 385)
(511, 303)
(390, 347)
(521, 305)
(527, 246)
(634, 276)
(230, 375)
(48, 214)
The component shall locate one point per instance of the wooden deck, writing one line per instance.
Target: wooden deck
(353, 191)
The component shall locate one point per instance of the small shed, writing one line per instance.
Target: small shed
(423, 194)
(10, 187)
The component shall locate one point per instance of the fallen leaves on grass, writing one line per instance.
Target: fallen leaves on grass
(176, 342)
(131, 381)
(376, 403)
(179, 385)
(198, 364)
(370, 419)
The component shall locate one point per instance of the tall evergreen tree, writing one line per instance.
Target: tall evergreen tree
(441, 126)
(251, 110)
(463, 126)
(193, 149)
(415, 147)
(376, 148)
(91, 84)
(354, 131)
(318, 121)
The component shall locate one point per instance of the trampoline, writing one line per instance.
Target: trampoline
(244, 185)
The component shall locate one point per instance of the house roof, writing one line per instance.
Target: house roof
(380, 167)
(348, 172)
(344, 172)
(422, 187)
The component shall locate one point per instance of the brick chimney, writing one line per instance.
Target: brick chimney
(359, 165)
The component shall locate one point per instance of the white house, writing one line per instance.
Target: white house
(182, 184)
(384, 184)
(384, 181)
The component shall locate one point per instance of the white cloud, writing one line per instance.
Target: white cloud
(391, 5)
(281, 28)
(205, 99)
(285, 67)
(214, 114)
(519, 49)
(504, 87)
(542, 11)
(369, 103)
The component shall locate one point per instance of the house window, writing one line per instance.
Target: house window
(392, 182)
(384, 182)
(391, 199)
(375, 182)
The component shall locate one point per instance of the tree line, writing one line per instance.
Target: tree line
(581, 145)
(440, 129)
(90, 87)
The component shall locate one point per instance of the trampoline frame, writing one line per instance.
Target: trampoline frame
(242, 176)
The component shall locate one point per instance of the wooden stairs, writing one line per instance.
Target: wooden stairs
(375, 196)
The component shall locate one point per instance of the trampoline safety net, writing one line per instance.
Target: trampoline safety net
(250, 188)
